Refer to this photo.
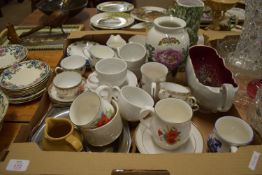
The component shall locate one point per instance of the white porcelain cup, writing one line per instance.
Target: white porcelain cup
(107, 133)
(88, 110)
(99, 52)
(135, 56)
(72, 63)
(171, 123)
(152, 74)
(173, 90)
(229, 133)
(111, 71)
(67, 84)
(134, 103)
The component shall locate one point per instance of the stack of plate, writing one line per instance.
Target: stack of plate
(11, 54)
(25, 81)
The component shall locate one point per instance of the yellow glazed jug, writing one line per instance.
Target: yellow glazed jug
(60, 135)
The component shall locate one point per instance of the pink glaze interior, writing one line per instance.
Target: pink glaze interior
(209, 67)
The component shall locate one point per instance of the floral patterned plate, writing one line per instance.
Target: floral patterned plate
(146, 145)
(11, 54)
(24, 75)
(111, 20)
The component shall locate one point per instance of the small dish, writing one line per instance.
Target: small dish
(148, 13)
(55, 98)
(11, 54)
(115, 6)
(146, 145)
(109, 20)
(131, 80)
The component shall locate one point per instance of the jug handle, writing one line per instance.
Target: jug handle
(74, 142)
(229, 93)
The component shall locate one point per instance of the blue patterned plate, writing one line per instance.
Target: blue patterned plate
(24, 75)
(11, 54)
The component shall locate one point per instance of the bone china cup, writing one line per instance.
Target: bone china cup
(134, 103)
(107, 133)
(229, 133)
(111, 71)
(72, 63)
(88, 109)
(171, 123)
(99, 52)
(67, 84)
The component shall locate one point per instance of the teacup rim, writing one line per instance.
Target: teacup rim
(71, 87)
(83, 62)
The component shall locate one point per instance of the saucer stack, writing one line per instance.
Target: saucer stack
(25, 81)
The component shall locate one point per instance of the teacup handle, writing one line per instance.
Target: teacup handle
(58, 70)
(108, 92)
(143, 113)
(74, 142)
(229, 93)
(155, 87)
(193, 103)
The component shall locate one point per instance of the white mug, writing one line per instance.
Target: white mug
(152, 74)
(67, 84)
(88, 109)
(72, 63)
(171, 123)
(173, 90)
(229, 133)
(111, 71)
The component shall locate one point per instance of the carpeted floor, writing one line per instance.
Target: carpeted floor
(14, 12)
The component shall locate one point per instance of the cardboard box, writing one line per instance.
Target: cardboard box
(246, 161)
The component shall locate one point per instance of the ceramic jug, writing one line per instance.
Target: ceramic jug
(167, 42)
(211, 82)
(60, 135)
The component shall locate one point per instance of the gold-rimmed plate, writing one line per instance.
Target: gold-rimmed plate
(148, 13)
(115, 6)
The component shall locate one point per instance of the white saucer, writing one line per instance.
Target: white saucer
(131, 80)
(53, 94)
(146, 145)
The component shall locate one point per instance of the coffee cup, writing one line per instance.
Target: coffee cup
(67, 84)
(72, 63)
(171, 123)
(173, 90)
(100, 52)
(111, 71)
(135, 56)
(152, 74)
(228, 134)
(88, 109)
(107, 133)
(60, 135)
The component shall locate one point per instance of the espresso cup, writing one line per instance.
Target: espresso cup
(100, 52)
(228, 134)
(107, 133)
(72, 63)
(171, 123)
(67, 84)
(173, 90)
(135, 56)
(134, 103)
(111, 71)
(152, 74)
(88, 109)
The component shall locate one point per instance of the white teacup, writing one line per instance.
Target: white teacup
(173, 90)
(99, 52)
(88, 109)
(135, 56)
(152, 74)
(171, 123)
(72, 63)
(111, 71)
(229, 133)
(67, 84)
(107, 133)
